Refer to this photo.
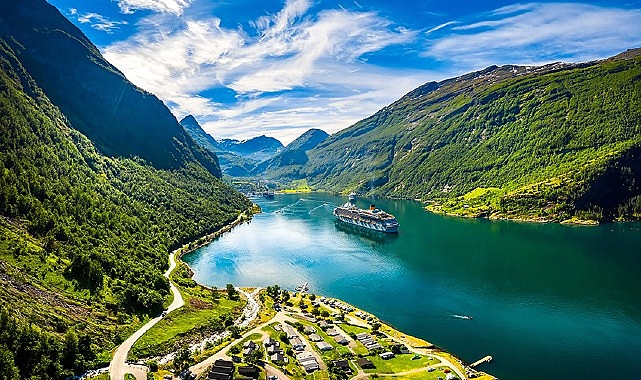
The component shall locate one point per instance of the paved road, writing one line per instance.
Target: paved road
(118, 367)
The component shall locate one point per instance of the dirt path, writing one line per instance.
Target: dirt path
(118, 366)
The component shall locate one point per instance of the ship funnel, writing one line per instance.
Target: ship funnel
(372, 207)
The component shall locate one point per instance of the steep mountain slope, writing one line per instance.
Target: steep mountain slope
(286, 164)
(544, 143)
(121, 119)
(259, 148)
(231, 164)
(84, 237)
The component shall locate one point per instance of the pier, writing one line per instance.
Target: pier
(486, 359)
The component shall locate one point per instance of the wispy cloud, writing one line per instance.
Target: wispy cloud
(283, 55)
(537, 33)
(175, 7)
(97, 21)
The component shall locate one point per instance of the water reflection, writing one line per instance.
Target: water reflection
(376, 237)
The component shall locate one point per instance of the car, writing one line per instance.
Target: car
(164, 313)
(272, 377)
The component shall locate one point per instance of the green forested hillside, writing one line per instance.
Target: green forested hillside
(84, 237)
(121, 119)
(286, 164)
(543, 143)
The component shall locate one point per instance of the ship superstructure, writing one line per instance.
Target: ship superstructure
(373, 219)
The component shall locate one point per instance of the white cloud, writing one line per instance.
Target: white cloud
(286, 54)
(538, 33)
(175, 7)
(98, 21)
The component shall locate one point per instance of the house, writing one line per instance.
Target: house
(315, 338)
(289, 330)
(297, 344)
(340, 339)
(324, 325)
(307, 361)
(277, 357)
(249, 370)
(309, 330)
(269, 342)
(273, 349)
(404, 350)
(386, 355)
(324, 346)
(311, 367)
(222, 370)
(365, 363)
(249, 347)
(362, 336)
(332, 332)
(342, 365)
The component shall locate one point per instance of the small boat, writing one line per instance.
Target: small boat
(268, 194)
(462, 316)
(352, 196)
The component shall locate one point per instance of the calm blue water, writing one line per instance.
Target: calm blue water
(547, 300)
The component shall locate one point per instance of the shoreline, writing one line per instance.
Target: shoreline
(242, 217)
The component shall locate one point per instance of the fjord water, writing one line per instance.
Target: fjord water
(547, 300)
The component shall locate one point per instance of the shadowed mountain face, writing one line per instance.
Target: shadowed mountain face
(120, 118)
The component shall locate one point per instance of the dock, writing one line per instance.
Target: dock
(486, 359)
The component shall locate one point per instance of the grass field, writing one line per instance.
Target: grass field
(204, 313)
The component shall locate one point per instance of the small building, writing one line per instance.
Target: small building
(340, 339)
(361, 336)
(277, 357)
(297, 344)
(309, 330)
(311, 367)
(332, 332)
(365, 363)
(273, 349)
(324, 346)
(269, 342)
(315, 338)
(386, 355)
(342, 365)
(324, 325)
(249, 370)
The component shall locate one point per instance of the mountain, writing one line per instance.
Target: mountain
(85, 226)
(236, 158)
(552, 143)
(287, 162)
(258, 148)
(121, 119)
(231, 164)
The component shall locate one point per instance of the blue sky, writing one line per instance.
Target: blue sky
(249, 67)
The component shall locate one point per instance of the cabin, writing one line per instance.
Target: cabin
(249, 371)
(386, 355)
(315, 338)
(342, 365)
(365, 363)
(324, 346)
(297, 344)
(340, 339)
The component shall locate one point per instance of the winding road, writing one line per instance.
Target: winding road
(118, 366)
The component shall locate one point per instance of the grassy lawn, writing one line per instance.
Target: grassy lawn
(354, 329)
(420, 375)
(204, 313)
(400, 363)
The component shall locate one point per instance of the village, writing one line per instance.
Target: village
(310, 337)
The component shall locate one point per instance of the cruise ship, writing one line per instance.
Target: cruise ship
(373, 219)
